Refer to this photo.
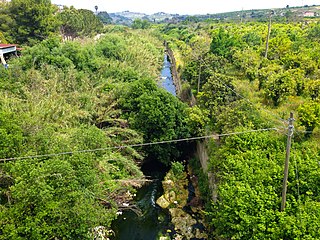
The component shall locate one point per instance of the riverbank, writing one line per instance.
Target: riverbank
(181, 198)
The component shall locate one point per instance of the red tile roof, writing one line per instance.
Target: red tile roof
(6, 45)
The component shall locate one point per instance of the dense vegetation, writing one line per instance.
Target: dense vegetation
(65, 98)
(61, 99)
(29, 22)
(239, 89)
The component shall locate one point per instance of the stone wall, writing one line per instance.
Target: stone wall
(174, 72)
(202, 155)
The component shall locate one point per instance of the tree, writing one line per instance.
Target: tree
(313, 89)
(34, 20)
(216, 93)
(140, 24)
(314, 32)
(279, 86)
(223, 43)
(91, 24)
(104, 17)
(11, 135)
(62, 197)
(309, 116)
(249, 169)
(158, 115)
(79, 22)
(2, 38)
(71, 22)
(5, 23)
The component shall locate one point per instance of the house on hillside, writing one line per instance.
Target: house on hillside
(309, 14)
(6, 49)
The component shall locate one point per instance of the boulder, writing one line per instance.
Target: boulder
(183, 222)
(163, 202)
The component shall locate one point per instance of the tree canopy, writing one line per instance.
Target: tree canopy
(33, 20)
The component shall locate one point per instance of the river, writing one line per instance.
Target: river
(154, 221)
(166, 76)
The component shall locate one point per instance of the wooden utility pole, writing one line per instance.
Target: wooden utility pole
(286, 164)
(199, 76)
(268, 35)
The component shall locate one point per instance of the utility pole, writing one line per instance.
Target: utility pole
(286, 164)
(268, 35)
(199, 76)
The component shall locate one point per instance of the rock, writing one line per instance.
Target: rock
(172, 196)
(176, 212)
(182, 222)
(163, 202)
(201, 235)
(168, 183)
(178, 237)
(175, 198)
(164, 238)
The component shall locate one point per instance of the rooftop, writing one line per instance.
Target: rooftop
(2, 46)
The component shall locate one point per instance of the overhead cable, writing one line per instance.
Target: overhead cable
(135, 145)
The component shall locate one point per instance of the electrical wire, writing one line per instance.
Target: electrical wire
(135, 145)
(283, 121)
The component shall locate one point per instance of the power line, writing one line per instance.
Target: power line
(239, 95)
(247, 100)
(135, 145)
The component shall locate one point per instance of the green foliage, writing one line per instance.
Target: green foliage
(11, 135)
(59, 197)
(250, 168)
(279, 47)
(56, 98)
(216, 93)
(78, 22)
(252, 39)
(5, 22)
(112, 47)
(223, 43)
(158, 115)
(313, 89)
(279, 86)
(309, 116)
(246, 166)
(2, 38)
(197, 120)
(314, 32)
(140, 24)
(104, 17)
(33, 20)
(177, 169)
(239, 114)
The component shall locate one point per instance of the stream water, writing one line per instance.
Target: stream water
(166, 76)
(154, 221)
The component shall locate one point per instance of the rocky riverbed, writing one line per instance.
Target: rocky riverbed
(184, 206)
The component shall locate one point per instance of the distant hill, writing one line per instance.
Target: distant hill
(128, 17)
(287, 13)
(290, 13)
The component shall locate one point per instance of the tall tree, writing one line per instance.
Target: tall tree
(34, 20)
(104, 17)
(5, 22)
(78, 22)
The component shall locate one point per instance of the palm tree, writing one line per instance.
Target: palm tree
(96, 8)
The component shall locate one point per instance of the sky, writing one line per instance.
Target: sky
(182, 6)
